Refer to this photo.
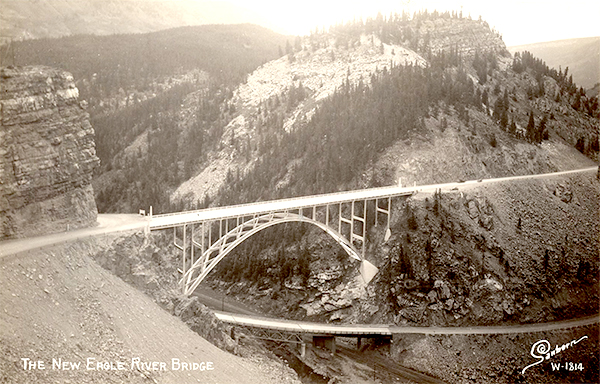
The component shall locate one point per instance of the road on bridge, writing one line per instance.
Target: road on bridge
(186, 217)
(109, 223)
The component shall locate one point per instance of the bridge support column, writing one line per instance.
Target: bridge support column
(184, 248)
(327, 342)
(192, 248)
(203, 265)
(302, 349)
(358, 343)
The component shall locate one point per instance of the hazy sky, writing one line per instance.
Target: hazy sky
(520, 22)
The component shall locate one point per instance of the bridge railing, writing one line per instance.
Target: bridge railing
(297, 199)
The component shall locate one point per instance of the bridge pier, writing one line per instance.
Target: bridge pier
(367, 271)
(325, 341)
(184, 244)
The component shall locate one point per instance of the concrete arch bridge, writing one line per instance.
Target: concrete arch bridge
(207, 236)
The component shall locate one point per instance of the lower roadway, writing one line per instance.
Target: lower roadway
(387, 330)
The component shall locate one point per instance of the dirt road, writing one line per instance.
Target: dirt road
(107, 224)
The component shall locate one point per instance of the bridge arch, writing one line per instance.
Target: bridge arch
(228, 242)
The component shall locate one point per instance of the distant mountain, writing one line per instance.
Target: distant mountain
(582, 56)
(30, 19)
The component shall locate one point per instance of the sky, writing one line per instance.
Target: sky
(519, 22)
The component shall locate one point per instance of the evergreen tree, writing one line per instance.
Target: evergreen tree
(512, 128)
(298, 44)
(504, 119)
(484, 97)
(531, 133)
(542, 132)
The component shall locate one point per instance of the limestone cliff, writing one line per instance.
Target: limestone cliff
(47, 154)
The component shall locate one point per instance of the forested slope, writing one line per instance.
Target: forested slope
(581, 56)
(178, 110)
(132, 64)
(135, 87)
(500, 103)
(466, 114)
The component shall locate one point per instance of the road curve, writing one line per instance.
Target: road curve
(387, 330)
(107, 223)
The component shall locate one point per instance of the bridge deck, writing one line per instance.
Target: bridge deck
(174, 219)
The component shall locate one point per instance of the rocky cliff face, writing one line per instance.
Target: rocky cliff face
(465, 35)
(47, 154)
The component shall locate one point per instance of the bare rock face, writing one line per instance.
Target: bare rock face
(465, 35)
(47, 154)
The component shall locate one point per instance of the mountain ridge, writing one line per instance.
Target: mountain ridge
(55, 18)
(306, 67)
(581, 55)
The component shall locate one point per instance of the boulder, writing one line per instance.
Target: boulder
(443, 289)
(564, 193)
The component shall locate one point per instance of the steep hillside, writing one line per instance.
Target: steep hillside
(114, 72)
(279, 101)
(582, 56)
(54, 18)
(58, 303)
(351, 93)
(500, 358)
(513, 252)
(284, 94)
(47, 154)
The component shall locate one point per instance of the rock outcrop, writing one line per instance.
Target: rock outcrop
(47, 154)
(465, 35)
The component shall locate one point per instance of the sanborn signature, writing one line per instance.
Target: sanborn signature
(541, 350)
